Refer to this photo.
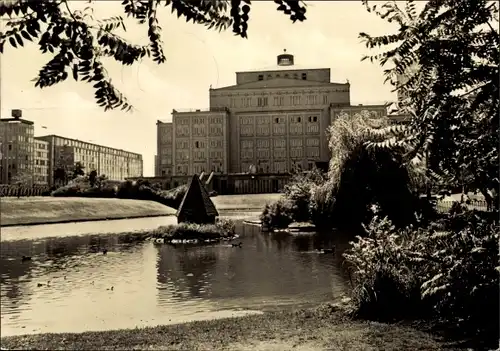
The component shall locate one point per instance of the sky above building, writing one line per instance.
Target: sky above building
(196, 59)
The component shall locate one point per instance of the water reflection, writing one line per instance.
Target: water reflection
(70, 285)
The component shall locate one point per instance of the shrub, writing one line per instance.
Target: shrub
(277, 215)
(321, 203)
(140, 190)
(462, 278)
(221, 229)
(448, 271)
(385, 284)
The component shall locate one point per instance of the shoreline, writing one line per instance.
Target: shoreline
(326, 327)
(58, 210)
(62, 221)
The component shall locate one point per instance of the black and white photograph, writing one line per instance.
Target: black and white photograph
(264, 175)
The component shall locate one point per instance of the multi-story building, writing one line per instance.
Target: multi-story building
(164, 159)
(270, 121)
(200, 141)
(17, 149)
(116, 164)
(41, 159)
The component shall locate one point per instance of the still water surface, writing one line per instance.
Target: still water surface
(70, 286)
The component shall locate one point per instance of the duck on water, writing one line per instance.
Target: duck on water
(326, 251)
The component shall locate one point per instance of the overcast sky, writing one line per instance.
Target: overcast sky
(196, 58)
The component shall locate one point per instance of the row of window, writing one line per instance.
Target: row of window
(198, 168)
(198, 120)
(292, 100)
(265, 143)
(197, 144)
(277, 119)
(278, 166)
(278, 129)
(280, 153)
(286, 75)
(92, 149)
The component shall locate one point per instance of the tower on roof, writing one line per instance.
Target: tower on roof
(285, 59)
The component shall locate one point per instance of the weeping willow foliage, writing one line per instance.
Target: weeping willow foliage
(359, 176)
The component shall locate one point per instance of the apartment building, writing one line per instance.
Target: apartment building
(164, 159)
(116, 164)
(17, 149)
(41, 159)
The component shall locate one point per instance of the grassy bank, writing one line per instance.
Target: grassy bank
(307, 329)
(244, 202)
(39, 210)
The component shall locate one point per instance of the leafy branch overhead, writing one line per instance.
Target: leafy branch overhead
(79, 41)
(444, 63)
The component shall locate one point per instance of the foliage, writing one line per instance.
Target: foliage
(448, 55)
(80, 43)
(462, 278)
(22, 178)
(385, 285)
(448, 271)
(221, 229)
(78, 170)
(125, 190)
(360, 177)
(59, 175)
(141, 190)
(277, 215)
(298, 192)
(93, 178)
(321, 204)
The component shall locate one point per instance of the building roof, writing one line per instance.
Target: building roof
(275, 68)
(196, 201)
(14, 119)
(281, 83)
(50, 136)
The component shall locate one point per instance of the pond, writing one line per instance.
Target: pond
(71, 286)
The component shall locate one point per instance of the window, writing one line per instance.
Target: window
(261, 77)
(197, 144)
(304, 76)
(262, 101)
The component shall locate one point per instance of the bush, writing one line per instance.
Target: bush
(277, 215)
(385, 283)
(189, 231)
(321, 206)
(450, 275)
(298, 192)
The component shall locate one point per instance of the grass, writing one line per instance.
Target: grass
(39, 210)
(244, 202)
(322, 328)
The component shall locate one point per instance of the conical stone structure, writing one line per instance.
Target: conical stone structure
(196, 206)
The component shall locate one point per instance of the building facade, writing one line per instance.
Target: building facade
(164, 147)
(200, 141)
(270, 121)
(116, 164)
(17, 150)
(41, 159)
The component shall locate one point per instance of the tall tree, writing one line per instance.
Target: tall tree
(79, 41)
(449, 56)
